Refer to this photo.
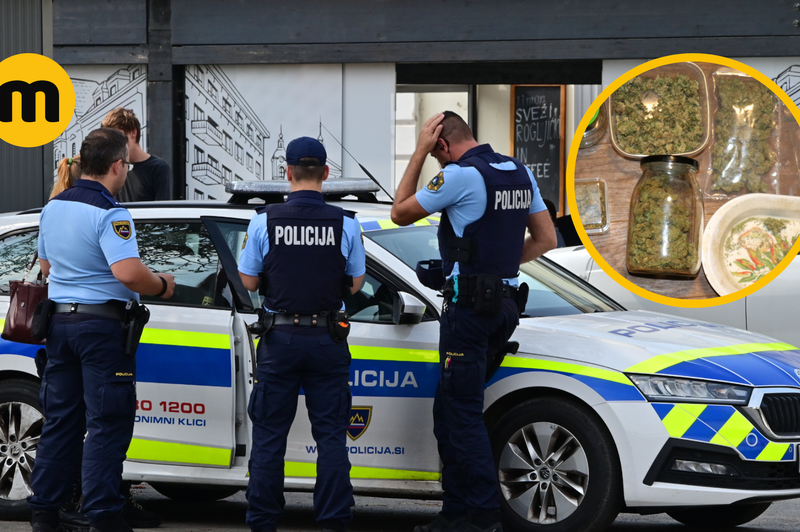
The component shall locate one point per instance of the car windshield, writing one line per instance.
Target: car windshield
(553, 290)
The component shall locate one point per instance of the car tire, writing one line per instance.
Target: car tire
(21, 422)
(719, 516)
(578, 478)
(193, 492)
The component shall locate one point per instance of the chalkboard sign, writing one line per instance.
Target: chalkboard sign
(537, 136)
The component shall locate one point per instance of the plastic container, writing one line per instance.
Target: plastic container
(639, 116)
(596, 129)
(748, 237)
(665, 228)
(746, 129)
(592, 198)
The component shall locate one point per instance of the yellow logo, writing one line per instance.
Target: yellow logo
(120, 374)
(437, 182)
(123, 229)
(37, 100)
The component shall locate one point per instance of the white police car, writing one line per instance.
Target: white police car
(600, 411)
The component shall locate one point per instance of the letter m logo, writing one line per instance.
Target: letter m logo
(28, 92)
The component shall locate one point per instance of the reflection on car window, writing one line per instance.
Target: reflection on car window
(185, 251)
(235, 236)
(16, 254)
(552, 292)
(373, 303)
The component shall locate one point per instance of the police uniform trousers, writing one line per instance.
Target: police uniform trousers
(88, 389)
(290, 357)
(467, 338)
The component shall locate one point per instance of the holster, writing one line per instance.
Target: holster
(264, 324)
(488, 294)
(41, 319)
(339, 326)
(494, 362)
(347, 284)
(136, 317)
(522, 298)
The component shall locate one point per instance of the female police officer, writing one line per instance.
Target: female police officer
(304, 251)
(87, 248)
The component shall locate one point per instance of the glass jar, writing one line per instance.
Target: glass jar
(665, 228)
(596, 128)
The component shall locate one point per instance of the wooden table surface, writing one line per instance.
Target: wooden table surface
(621, 175)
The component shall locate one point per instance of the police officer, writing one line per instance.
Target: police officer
(87, 248)
(307, 255)
(487, 201)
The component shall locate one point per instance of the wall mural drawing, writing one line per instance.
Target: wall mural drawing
(231, 109)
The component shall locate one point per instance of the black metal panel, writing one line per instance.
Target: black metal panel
(99, 22)
(505, 72)
(160, 118)
(21, 177)
(356, 21)
(100, 55)
(572, 49)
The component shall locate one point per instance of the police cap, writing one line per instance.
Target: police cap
(303, 147)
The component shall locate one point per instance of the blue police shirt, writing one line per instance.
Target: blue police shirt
(257, 246)
(82, 232)
(462, 191)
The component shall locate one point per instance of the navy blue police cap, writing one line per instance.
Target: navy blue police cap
(305, 147)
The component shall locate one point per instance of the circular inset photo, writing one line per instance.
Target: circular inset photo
(683, 180)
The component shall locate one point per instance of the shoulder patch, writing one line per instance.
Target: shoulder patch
(122, 228)
(437, 182)
(244, 242)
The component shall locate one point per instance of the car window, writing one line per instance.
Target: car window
(16, 254)
(553, 292)
(184, 250)
(234, 234)
(373, 303)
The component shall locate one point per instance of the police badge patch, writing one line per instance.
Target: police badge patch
(123, 229)
(359, 421)
(437, 182)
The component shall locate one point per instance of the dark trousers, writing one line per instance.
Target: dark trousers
(88, 389)
(287, 360)
(466, 339)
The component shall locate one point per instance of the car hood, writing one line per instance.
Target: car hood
(648, 342)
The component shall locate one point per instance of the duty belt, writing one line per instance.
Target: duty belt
(466, 288)
(302, 320)
(114, 310)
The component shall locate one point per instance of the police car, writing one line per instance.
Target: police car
(600, 411)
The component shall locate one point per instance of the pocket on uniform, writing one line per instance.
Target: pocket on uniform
(119, 400)
(461, 378)
(255, 408)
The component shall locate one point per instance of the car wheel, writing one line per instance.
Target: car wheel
(558, 468)
(194, 493)
(21, 423)
(719, 516)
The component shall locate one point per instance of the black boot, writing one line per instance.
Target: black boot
(112, 524)
(133, 513)
(442, 523)
(45, 521)
(72, 520)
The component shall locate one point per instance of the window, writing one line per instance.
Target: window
(212, 198)
(16, 254)
(98, 101)
(73, 149)
(258, 170)
(373, 303)
(249, 162)
(199, 114)
(226, 105)
(239, 154)
(213, 162)
(185, 251)
(239, 118)
(239, 178)
(135, 73)
(234, 234)
(228, 142)
(199, 155)
(212, 91)
(226, 174)
(249, 131)
(186, 106)
(199, 194)
(112, 90)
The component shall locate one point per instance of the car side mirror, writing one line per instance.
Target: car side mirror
(407, 309)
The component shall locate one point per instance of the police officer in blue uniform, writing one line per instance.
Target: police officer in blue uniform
(87, 248)
(304, 255)
(487, 202)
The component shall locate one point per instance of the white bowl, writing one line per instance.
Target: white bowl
(717, 261)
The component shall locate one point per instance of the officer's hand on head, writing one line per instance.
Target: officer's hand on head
(429, 134)
(170, 285)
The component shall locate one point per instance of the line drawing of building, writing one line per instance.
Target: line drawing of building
(125, 87)
(789, 81)
(224, 136)
(278, 159)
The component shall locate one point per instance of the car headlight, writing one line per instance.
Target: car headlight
(658, 388)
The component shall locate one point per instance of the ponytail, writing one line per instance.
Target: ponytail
(69, 171)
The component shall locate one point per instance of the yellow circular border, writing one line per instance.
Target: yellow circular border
(573, 157)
